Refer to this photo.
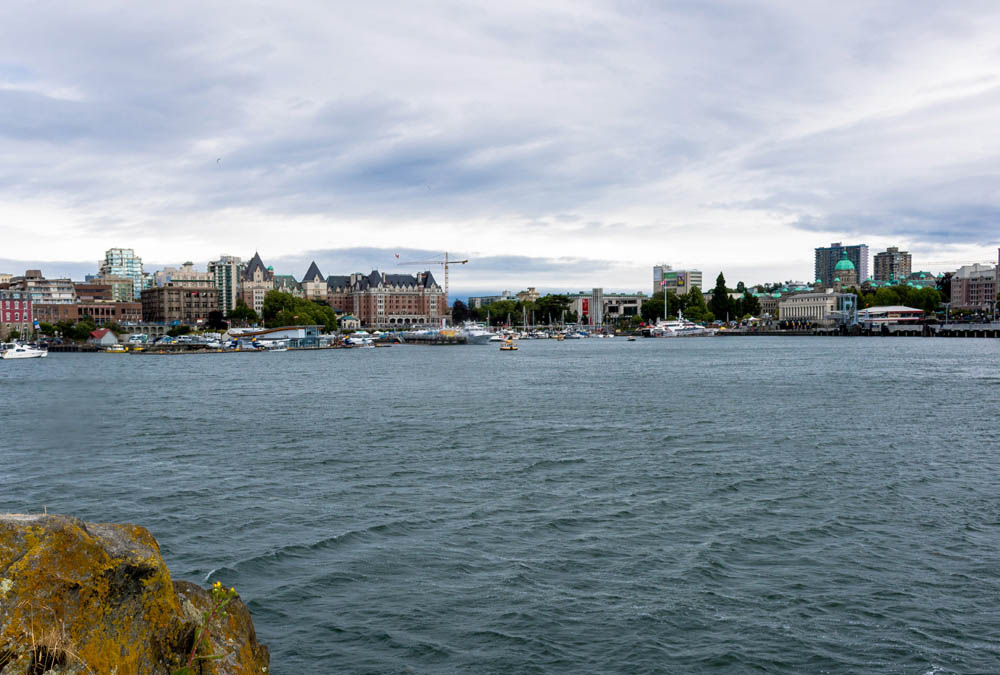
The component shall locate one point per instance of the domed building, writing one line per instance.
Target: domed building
(845, 273)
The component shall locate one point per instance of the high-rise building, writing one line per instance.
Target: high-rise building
(227, 271)
(678, 281)
(827, 259)
(123, 262)
(892, 265)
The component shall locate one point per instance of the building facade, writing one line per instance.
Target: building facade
(88, 291)
(598, 308)
(975, 286)
(257, 280)
(171, 304)
(678, 281)
(121, 287)
(813, 308)
(226, 272)
(123, 262)
(381, 300)
(16, 313)
(828, 257)
(100, 312)
(475, 302)
(314, 286)
(41, 290)
(185, 275)
(892, 265)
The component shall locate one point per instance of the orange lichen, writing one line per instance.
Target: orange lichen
(100, 597)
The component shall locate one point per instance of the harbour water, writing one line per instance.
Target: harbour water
(777, 505)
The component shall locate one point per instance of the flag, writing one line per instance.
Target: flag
(663, 282)
(397, 255)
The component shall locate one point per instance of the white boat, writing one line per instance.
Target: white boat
(680, 327)
(476, 334)
(16, 350)
(496, 338)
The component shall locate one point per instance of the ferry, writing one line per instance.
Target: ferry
(508, 346)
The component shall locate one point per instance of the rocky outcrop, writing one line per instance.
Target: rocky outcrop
(97, 598)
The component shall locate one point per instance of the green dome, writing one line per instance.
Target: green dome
(844, 264)
(836, 280)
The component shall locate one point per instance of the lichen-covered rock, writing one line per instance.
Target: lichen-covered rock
(95, 598)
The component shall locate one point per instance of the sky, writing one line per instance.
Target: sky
(561, 145)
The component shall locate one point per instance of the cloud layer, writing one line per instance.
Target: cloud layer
(727, 134)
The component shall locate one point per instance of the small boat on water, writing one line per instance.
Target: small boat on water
(631, 338)
(508, 346)
(17, 350)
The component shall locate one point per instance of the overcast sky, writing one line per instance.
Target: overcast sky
(555, 144)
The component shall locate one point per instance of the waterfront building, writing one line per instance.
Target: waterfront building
(226, 272)
(16, 313)
(877, 316)
(100, 312)
(123, 262)
(892, 265)
(5, 279)
(41, 290)
(975, 286)
(173, 304)
(102, 337)
(828, 257)
(475, 302)
(678, 281)
(348, 322)
(257, 280)
(381, 300)
(289, 336)
(597, 308)
(813, 308)
(314, 286)
(185, 275)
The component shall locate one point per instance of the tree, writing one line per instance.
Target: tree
(284, 309)
(695, 308)
(749, 304)
(459, 312)
(177, 331)
(115, 328)
(14, 335)
(46, 328)
(652, 309)
(721, 304)
(740, 287)
(243, 314)
(215, 320)
(549, 308)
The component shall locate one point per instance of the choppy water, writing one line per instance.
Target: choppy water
(780, 505)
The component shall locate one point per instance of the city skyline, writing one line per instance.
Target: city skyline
(577, 138)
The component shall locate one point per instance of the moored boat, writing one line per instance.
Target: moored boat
(17, 350)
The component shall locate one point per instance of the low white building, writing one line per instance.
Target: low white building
(813, 308)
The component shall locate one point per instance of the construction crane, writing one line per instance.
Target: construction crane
(446, 263)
